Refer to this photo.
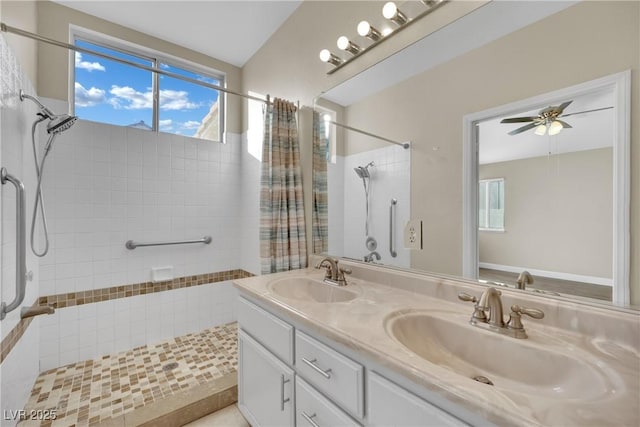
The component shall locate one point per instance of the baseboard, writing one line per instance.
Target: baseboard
(603, 281)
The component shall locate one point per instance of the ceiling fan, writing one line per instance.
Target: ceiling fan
(547, 120)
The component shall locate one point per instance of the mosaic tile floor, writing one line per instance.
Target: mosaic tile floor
(88, 392)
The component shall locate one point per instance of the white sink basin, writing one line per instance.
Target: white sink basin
(518, 365)
(305, 289)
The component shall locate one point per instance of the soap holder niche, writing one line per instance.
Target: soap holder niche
(161, 274)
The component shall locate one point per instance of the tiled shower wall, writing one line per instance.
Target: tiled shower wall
(390, 178)
(20, 368)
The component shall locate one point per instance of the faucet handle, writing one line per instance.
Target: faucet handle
(517, 311)
(345, 270)
(466, 297)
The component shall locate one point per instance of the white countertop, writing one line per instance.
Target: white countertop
(360, 323)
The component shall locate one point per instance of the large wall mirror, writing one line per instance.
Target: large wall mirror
(545, 191)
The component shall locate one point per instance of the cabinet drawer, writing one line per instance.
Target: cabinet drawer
(273, 333)
(337, 376)
(391, 405)
(313, 409)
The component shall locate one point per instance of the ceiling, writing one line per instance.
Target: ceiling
(590, 131)
(231, 31)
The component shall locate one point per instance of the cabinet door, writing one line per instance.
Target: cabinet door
(265, 385)
(391, 405)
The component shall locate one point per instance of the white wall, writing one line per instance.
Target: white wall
(250, 205)
(20, 369)
(389, 179)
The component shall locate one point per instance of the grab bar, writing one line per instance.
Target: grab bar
(21, 264)
(132, 245)
(392, 224)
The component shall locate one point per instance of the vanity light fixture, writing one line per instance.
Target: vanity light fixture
(345, 44)
(327, 56)
(366, 30)
(392, 13)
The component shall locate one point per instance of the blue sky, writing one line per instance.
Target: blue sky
(109, 92)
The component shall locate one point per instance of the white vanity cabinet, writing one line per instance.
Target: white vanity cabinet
(316, 385)
(391, 405)
(265, 385)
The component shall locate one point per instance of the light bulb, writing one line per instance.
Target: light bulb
(555, 128)
(541, 130)
(366, 30)
(343, 42)
(363, 28)
(389, 10)
(325, 55)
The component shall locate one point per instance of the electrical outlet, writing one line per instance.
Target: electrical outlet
(413, 234)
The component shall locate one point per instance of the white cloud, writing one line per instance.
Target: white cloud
(191, 124)
(88, 97)
(176, 100)
(166, 124)
(86, 65)
(131, 99)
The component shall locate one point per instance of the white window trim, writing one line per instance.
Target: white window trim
(486, 204)
(154, 56)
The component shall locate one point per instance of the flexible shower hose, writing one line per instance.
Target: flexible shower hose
(39, 200)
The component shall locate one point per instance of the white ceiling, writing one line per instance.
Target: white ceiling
(590, 131)
(231, 31)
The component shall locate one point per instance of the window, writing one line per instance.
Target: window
(491, 205)
(111, 92)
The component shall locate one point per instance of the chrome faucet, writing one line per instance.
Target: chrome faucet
(490, 301)
(334, 275)
(371, 256)
(525, 278)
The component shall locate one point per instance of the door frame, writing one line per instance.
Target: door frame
(620, 83)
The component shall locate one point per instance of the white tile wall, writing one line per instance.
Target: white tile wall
(20, 369)
(250, 217)
(390, 178)
(91, 330)
(107, 184)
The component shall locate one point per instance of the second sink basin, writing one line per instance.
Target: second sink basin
(306, 289)
(517, 365)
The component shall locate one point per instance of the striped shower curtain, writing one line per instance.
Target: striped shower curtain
(320, 216)
(283, 243)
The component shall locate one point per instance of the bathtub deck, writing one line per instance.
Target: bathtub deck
(104, 390)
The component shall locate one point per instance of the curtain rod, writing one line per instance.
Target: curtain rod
(9, 29)
(404, 145)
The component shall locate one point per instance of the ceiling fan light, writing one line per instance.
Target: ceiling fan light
(555, 127)
(541, 130)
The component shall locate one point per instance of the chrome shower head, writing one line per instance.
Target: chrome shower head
(60, 123)
(363, 171)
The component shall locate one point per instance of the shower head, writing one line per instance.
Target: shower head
(60, 123)
(363, 171)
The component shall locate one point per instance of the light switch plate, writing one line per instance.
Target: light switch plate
(413, 234)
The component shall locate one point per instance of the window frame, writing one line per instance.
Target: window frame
(487, 202)
(156, 58)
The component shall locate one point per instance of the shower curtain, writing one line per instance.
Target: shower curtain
(320, 215)
(283, 243)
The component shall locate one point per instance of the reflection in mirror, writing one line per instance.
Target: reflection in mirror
(570, 183)
(545, 201)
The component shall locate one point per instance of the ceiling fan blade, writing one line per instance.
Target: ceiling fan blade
(564, 105)
(523, 129)
(586, 111)
(564, 124)
(519, 119)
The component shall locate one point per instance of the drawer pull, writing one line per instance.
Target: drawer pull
(309, 418)
(282, 399)
(312, 364)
